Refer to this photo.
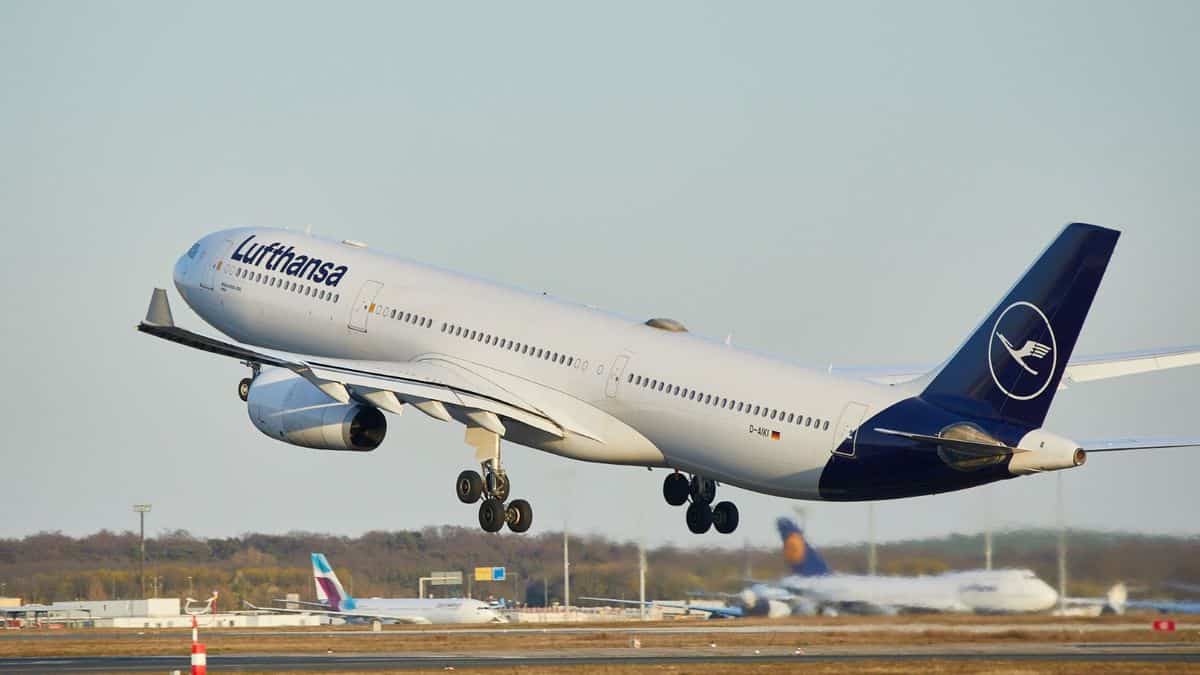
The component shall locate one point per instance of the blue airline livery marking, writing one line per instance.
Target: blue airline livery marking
(287, 261)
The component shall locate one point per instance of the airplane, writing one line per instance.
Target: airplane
(335, 334)
(813, 587)
(1117, 601)
(334, 601)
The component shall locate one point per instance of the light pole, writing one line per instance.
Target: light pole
(190, 591)
(142, 510)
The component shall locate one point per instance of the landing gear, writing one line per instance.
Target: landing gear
(518, 515)
(491, 514)
(725, 517)
(469, 487)
(493, 486)
(244, 388)
(675, 489)
(701, 514)
(699, 517)
(703, 489)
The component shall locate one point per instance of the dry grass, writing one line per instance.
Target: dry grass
(997, 667)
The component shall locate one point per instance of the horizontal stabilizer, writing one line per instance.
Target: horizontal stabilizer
(973, 448)
(1117, 444)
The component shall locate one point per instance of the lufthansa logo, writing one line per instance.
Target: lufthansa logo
(794, 549)
(1022, 353)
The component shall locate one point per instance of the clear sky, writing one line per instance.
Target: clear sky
(853, 183)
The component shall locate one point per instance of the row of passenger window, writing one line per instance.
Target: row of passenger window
(513, 346)
(407, 317)
(729, 404)
(286, 284)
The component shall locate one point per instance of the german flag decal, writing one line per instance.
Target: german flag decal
(774, 435)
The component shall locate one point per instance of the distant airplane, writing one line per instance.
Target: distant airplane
(333, 600)
(1117, 601)
(326, 359)
(814, 588)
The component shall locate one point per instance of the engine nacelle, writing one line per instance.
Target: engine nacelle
(1046, 452)
(289, 408)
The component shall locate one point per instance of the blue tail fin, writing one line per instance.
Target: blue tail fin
(803, 559)
(1010, 367)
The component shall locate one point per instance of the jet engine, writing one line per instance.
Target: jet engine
(1045, 452)
(289, 408)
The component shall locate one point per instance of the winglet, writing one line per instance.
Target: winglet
(159, 311)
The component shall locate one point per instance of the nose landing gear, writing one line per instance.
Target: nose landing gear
(701, 514)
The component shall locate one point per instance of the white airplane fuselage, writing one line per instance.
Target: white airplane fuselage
(589, 366)
(438, 611)
(980, 591)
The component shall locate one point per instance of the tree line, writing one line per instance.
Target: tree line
(50, 566)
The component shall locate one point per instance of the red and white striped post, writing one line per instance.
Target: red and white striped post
(199, 655)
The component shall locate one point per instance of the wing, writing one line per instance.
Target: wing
(714, 610)
(1080, 369)
(399, 618)
(439, 388)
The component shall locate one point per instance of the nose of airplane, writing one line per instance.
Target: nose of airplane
(180, 274)
(1049, 595)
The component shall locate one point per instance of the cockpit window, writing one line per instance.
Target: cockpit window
(193, 250)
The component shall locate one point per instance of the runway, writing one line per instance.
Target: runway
(704, 627)
(1065, 654)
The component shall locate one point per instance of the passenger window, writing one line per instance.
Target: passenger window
(772, 414)
(791, 417)
(570, 360)
(825, 425)
(808, 422)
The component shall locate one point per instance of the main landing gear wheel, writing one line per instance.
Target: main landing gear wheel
(703, 489)
(699, 517)
(244, 388)
(675, 489)
(469, 487)
(491, 514)
(725, 517)
(518, 515)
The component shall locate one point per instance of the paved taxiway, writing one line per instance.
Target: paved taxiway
(1181, 654)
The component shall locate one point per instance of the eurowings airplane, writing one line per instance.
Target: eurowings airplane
(333, 600)
(815, 588)
(335, 334)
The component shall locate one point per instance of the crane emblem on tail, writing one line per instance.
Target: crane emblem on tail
(1030, 348)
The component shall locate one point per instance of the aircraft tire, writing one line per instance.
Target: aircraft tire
(244, 388)
(491, 515)
(675, 489)
(699, 517)
(468, 487)
(518, 515)
(725, 517)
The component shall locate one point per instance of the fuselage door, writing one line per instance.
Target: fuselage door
(614, 375)
(364, 306)
(845, 433)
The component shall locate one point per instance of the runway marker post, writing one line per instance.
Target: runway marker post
(199, 655)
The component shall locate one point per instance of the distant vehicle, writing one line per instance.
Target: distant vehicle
(334, 601)
(335, 333)
(815, 588)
